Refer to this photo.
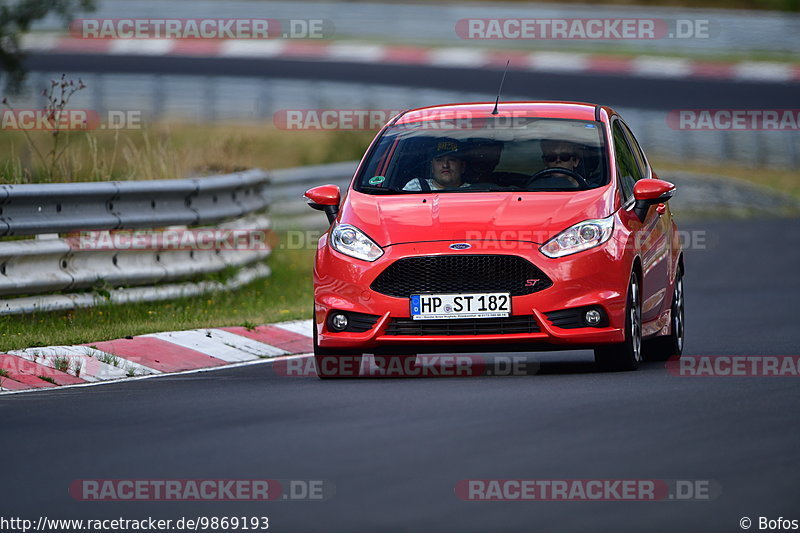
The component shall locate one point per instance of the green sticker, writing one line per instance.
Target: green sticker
(376, 180)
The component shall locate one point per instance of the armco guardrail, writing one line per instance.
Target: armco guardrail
(64, 207)
(288, 186)
(47, 263)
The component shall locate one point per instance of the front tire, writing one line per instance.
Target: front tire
(628, 354)
(662, 348)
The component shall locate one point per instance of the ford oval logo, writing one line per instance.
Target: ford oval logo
(460, 246)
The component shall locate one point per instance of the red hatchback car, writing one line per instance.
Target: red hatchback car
(523, 227)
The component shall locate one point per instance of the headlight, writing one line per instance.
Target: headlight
(581, 236)
(351, 241)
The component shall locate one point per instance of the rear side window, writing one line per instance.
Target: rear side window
(627, 168)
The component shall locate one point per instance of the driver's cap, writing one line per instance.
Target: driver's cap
(447, 147)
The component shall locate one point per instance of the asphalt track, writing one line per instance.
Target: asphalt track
(395, 448)
(613, 90)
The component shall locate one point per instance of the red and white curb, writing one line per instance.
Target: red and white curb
(150, 355)
(644, 66)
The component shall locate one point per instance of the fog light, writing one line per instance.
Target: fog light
(592, 317)
(339, 322)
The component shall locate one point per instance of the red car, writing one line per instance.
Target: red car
(521, 227)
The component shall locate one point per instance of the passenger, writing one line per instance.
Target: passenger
(559, 154)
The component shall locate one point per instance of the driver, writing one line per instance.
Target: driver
(447, 168)
(560, 154)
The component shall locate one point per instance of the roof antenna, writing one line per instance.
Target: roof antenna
(496, 102)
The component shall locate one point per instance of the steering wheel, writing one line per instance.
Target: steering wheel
(558, 170)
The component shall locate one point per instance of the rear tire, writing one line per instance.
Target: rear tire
(662, 348)
(333, 363)
(628, 354)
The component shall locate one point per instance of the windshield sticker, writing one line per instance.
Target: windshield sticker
(377, 180)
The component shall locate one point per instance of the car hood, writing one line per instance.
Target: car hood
(528, 216)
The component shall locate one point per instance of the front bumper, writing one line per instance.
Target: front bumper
(596, 277)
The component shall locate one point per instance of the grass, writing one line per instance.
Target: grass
(77, 365)
(62, 363)
(177, 149)
(109, 359)
(3, 373)
(169, 150)
(285, 295)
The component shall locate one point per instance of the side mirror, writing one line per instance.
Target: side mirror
(325, 198)
(648, 192)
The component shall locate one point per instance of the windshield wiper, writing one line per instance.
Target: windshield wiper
(488, 187)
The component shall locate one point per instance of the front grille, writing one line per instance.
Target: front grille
(460, 273)
(361, 322)
(567, 318)
(463, 326)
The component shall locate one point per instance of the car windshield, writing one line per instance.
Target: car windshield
(490, 154)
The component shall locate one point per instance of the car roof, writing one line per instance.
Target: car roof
(568, 110)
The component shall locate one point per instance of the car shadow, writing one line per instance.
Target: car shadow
(483, 365)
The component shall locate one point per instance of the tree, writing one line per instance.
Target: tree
(17, 18)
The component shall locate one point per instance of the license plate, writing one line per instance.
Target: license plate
(443, 306)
